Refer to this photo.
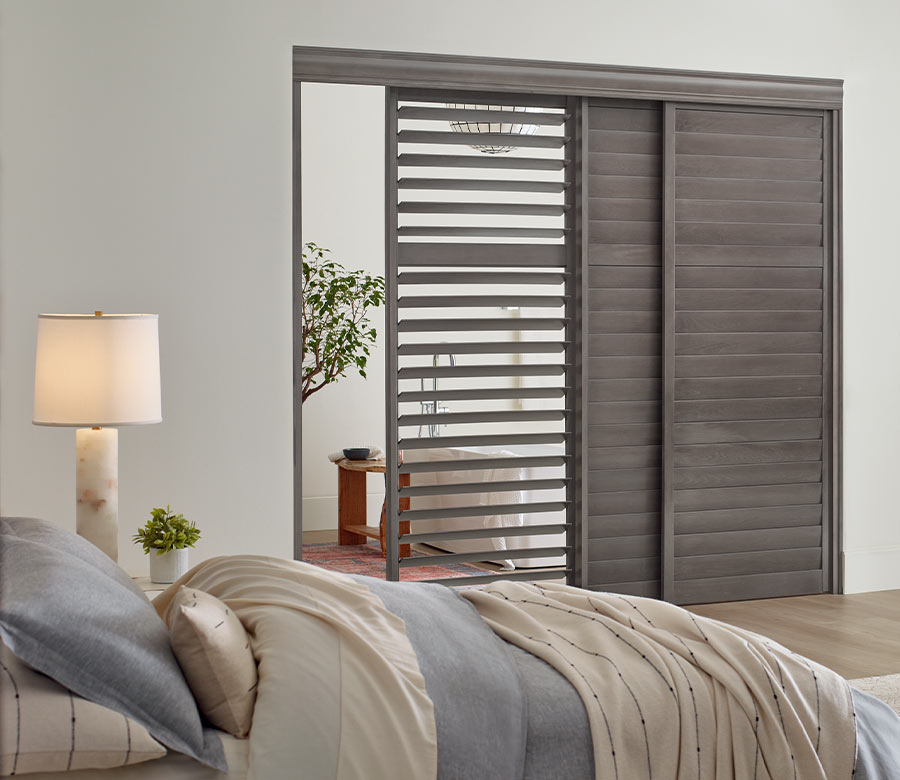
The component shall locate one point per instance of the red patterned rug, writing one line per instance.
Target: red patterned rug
(367, 559)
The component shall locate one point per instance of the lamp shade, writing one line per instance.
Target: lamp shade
(97, 370)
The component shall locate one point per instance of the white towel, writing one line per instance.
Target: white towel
(374, 453)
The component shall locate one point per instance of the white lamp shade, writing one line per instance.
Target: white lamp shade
(97, 370)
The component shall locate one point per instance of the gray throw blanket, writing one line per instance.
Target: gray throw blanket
(500, 712)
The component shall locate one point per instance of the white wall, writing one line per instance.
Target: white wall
(145, 156)
(343, 209)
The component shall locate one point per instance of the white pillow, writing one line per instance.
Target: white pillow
(213, 650)
(44, 727)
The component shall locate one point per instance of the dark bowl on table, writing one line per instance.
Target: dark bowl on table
(357, 453)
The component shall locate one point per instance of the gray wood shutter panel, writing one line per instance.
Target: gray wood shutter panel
(744, 424)
(624, 320)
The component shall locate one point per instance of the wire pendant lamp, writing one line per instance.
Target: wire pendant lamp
(511, 129)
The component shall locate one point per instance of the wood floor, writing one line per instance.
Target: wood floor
(856, 635)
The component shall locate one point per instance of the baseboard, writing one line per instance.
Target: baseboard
(872, 568)
(320, 512)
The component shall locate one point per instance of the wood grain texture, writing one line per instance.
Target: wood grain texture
(856, 635)
(748, 431)
(748, 321)
(748, 540)
(736, 145)
(752, 452)
(611, 526)
(625, 329)
(748, 189)
(748, 518)
(743, 123)
(747, 387)
(748, 255)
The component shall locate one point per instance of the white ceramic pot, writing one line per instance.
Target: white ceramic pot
(168, 567)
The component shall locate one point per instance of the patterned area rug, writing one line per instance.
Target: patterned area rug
(886, 688)
(367, 559)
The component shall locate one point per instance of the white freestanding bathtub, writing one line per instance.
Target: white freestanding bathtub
(491, 499)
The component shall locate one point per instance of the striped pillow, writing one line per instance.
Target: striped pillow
(46, 728)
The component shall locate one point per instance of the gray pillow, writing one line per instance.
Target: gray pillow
(68, 611)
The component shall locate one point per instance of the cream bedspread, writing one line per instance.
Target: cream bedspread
(315, 632)
(673, 695)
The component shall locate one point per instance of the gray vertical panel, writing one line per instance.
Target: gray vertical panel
(625, 257)
(581, 290)
(576, 422)
(297, 326)
(392, 499)
(709, 574)
(667, 493)
(836, 366)
(827, 408)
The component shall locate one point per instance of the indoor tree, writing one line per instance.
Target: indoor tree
(336, 332)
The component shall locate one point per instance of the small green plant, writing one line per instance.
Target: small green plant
(336, 332)
(166, 531)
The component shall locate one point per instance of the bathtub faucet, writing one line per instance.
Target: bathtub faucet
(434, 406)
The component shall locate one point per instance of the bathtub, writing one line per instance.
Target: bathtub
(499, 543)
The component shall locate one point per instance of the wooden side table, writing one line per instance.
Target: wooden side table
(352, 522)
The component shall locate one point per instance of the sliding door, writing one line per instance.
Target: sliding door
(747, 354)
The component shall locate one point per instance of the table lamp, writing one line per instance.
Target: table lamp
(95, 372)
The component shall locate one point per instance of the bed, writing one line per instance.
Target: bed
(359, 678)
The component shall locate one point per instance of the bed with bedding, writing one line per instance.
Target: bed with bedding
(359, 678)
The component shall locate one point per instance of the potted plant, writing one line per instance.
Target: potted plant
(336, 332)
(168, 536)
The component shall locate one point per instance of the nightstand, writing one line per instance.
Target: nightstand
(151, 589)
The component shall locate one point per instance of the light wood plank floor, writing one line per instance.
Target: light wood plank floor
(856, 635)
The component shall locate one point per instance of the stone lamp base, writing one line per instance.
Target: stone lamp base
(97, 487)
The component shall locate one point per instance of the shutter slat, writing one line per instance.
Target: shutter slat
(481, 115)
(484, 511)
(481, 255)
(748, 518)
(755, 452)
(436, 537)
(481, 464)
(479, 185)
(451, 418)
(474, 324)
(481, 440)
(723, 432)
(473, 230)
(482, 161)
(481, 394)
(483, 487)
(747, 321)
(480, 277)
(457, 372)
(483, 348)
(486, 555)
(482, 139)
(526, 209)
(479, 301)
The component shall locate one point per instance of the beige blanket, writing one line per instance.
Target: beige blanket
(314, 632)
(673, 695)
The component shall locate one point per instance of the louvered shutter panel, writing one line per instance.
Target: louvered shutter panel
(745, 428)
(624, 318)
(481, 330)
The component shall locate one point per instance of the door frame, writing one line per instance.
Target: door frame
(483, 74)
